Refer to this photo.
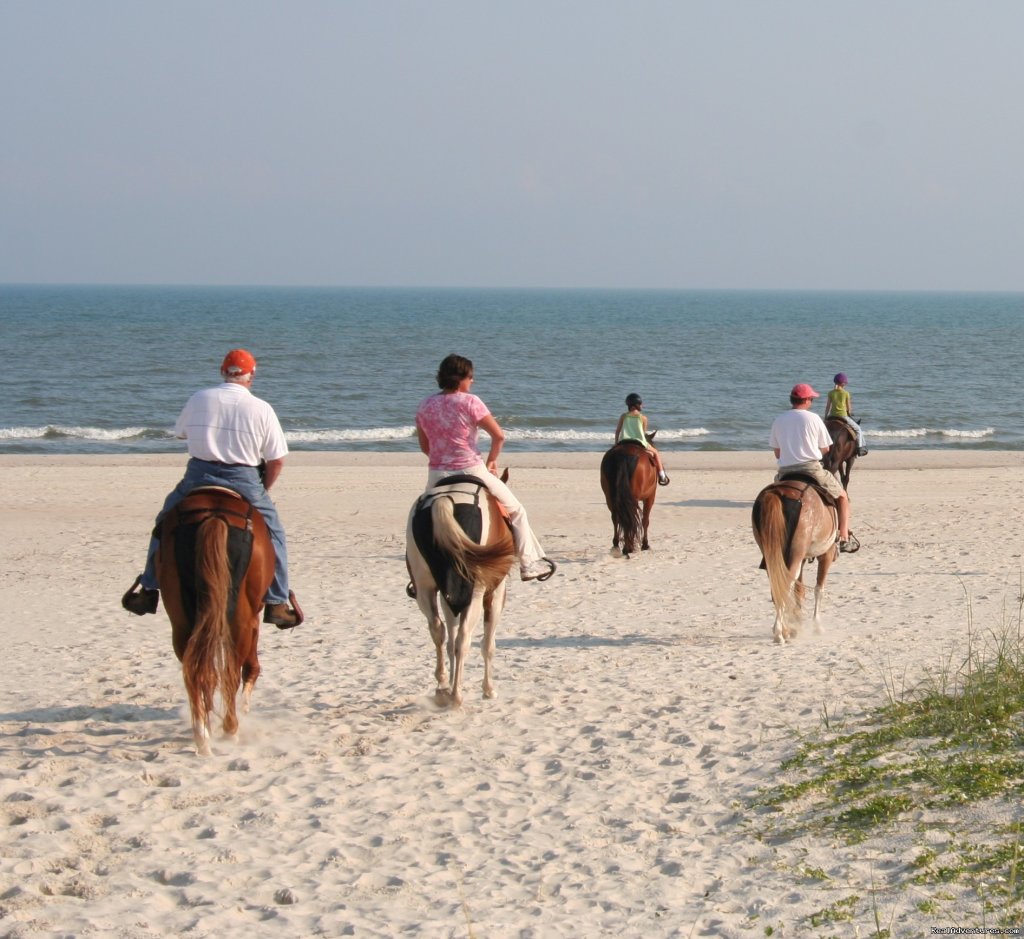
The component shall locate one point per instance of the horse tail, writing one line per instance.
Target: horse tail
(627, 512)
(210, 662)
(773, 537)
(484, 564)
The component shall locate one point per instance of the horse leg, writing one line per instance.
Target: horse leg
(202, 741)
(788, 606)
(648, 505)
(779, 627)
(426, 599)
(493, 605)
(247, 654)
(824, 563)
(460, 643)
(847, 468)
(799, 593)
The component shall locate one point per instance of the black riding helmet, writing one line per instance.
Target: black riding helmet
(633, 400)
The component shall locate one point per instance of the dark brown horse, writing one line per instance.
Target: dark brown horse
(629, 480)
(214, 566)
(843, 453)
(792, 525)
(459, 550)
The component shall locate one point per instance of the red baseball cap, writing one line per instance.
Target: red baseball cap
(800, 391)
(238, 362)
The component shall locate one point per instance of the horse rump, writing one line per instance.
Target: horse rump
(447, 534)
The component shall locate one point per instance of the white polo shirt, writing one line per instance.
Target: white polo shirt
(229, 424)
(800, 436)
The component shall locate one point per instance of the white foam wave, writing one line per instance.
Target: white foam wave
(364, 435)
(601, 437)
(79, 433)
(911, 432)
(373, 434)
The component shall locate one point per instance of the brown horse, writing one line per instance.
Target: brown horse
(214, 565)
(793, 524)
(843, 452)
(459, 550)
(629, 480)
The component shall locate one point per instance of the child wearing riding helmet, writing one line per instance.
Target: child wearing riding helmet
(633, 426)
(839, 404)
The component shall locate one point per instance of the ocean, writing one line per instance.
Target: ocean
(97, 369)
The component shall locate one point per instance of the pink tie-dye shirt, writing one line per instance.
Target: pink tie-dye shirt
(450, 423)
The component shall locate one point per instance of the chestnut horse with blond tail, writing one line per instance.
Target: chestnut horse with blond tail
(214, 564)
(792, 525)
(459, 551)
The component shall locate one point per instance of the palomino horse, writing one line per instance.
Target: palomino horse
(793, 524)
(843, 452)
(629, 480)
(459, 549)
(214, 565)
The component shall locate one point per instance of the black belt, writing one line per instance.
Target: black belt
(230, 465)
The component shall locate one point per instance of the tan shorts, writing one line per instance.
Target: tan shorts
(819, 474)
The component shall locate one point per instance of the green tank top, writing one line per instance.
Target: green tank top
(633, 429)
(838, 398)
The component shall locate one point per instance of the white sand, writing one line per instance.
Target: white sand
(641, 704)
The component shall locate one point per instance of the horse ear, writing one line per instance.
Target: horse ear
(650, 436)
(504, 475)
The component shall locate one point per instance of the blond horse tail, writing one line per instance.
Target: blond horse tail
(210, 662)
(483, 564)
(774, 542)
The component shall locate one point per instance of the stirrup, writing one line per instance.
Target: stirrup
(410, 590)
(850, 546)
(663, 480)
(546, 575)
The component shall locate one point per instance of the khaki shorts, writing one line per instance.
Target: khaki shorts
(819, 474)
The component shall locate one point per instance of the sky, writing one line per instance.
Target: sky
(733, 144)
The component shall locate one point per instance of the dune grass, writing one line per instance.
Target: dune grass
(937, 770)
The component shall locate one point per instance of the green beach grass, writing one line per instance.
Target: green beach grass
(930, 786)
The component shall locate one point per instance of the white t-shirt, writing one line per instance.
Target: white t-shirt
(800, 436)
(229, 424)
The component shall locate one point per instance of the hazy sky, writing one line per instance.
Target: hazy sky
(760, 144)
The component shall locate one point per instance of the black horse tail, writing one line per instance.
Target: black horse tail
(626, 513)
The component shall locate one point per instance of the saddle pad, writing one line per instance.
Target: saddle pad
(791, 513)
(239, 556)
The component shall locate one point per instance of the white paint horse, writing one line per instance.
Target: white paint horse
(459, 551)
(792, 525)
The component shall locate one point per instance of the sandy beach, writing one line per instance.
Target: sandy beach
(605, 791)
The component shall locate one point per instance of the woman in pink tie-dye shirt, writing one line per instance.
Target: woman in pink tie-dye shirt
(447, 425)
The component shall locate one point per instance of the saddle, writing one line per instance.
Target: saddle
(810, 481)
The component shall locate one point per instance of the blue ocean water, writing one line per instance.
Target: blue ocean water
(106, 369)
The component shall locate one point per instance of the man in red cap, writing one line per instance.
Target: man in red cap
(229, 433)
(800, 439)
